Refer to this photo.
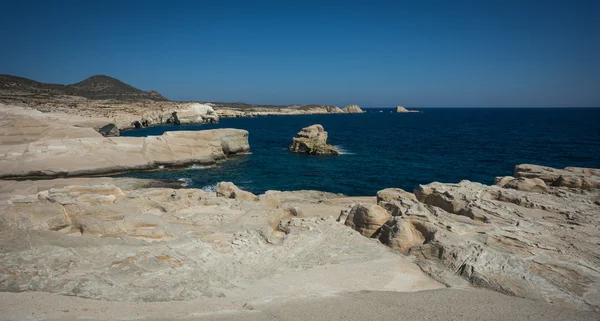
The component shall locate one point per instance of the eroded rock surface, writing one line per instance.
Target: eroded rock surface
(575, 177)
(123, 240)
(524, 239)
(312, 140)
(96, 155)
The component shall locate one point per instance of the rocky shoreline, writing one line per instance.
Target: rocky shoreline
(532, 235)
(523, 237)
(530, 244)
(34, 144)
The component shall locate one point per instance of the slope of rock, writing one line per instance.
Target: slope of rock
(526, 239)
(120, 240)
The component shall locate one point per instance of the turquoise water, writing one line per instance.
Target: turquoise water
(398, 150)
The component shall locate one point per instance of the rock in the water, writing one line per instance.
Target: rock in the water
(401, 109)
(312, 140)
(352, 109)
(109, 130)
(367, 218)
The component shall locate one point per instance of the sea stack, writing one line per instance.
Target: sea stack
(312, 140)
(352, 109)
(401, 109)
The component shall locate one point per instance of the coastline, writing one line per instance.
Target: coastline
(254, 249)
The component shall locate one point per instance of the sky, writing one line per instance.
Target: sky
(430, 53)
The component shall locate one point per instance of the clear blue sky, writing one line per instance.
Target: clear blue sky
(373, 53)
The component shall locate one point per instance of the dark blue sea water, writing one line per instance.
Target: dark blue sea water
(399, 150)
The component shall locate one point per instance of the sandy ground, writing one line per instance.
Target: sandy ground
(443, 304)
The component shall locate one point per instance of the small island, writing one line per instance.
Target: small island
(401, 109)
(312, 140)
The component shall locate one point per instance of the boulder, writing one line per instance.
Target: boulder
(230, 190)
(401, 234)
(527, 185)
(399, 202)
(390, 194)
(352, 109)
(312, 140)
(500, 181)
(367, 218)
(109, 130)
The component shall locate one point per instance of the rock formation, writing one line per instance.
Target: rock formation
(123, 239)
(352, 109)
(575, 177)
(312, 140)
(109, 130)
(229, 190)
(367, 219)
(526, 238)
(401, 109)
(195, 113)
(96, 155)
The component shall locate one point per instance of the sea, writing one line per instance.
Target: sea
(382, 148)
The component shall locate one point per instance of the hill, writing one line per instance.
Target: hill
(95, 87)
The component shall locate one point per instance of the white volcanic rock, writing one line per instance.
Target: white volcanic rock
(575, 177)
(500, 181)
(367, 218)
(334, 109)
(402, 233)
(352, 109)
(153, 243)
(95, 155)
(526, 239)
(527, 185)
(391, 194)
(401, 109)
(196, 113)
(19, 125)
(312, 140)
(229, 190)
(233, 112)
